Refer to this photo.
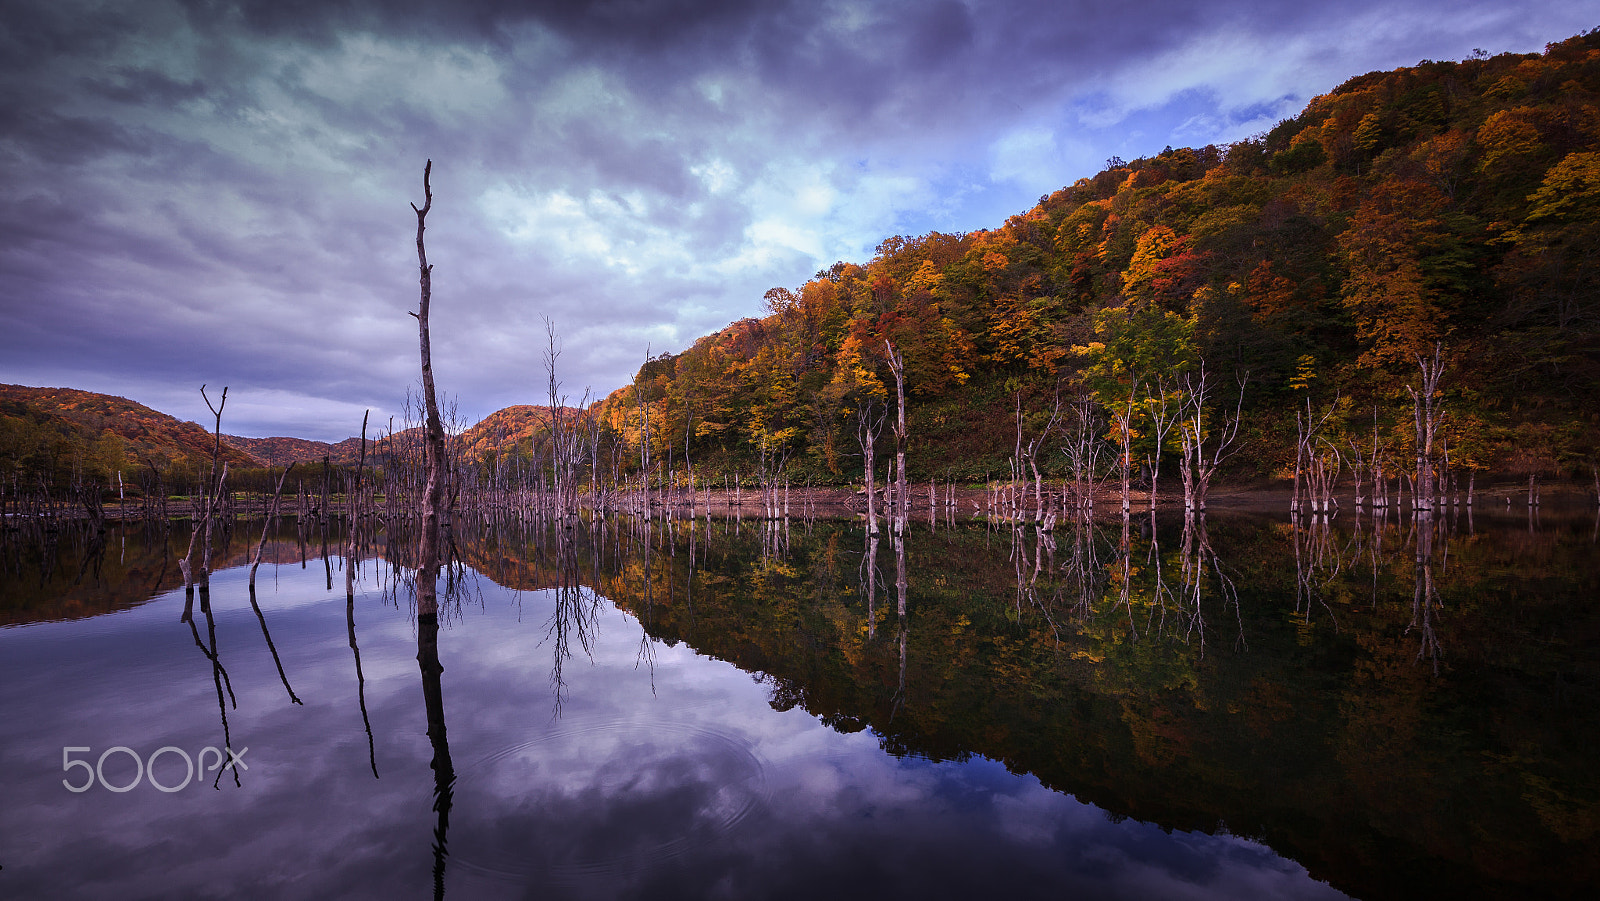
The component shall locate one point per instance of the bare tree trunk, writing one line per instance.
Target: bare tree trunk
(433, 445)
(327, 479)
(1308, 428)
(1299, 454)
(869, 424)
(208, 498)
(276, 494)
(354, 513)
(897, 365)
(1124, 421)
(644, 442)
(1426, 413)
(1161, 415)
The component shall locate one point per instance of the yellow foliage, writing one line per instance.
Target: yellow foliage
(1571, 188)
(1506, 137)
(927, 278)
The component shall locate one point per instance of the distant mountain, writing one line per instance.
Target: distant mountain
(60, 434)
(282, 451)
(503, 429)
(48, 427)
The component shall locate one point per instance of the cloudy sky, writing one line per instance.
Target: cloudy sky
(204, 191)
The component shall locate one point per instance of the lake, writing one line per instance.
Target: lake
(1246, 707)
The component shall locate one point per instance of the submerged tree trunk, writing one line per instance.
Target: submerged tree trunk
(1426, 413)
(353, 513)
(208, 496)
(433, 441)
(1124, 422)
(898, 366)
(869, 424)
(260, 548)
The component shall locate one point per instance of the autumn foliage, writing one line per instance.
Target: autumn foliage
(1455, 203)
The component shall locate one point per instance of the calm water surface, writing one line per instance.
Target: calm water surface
(1255, 709)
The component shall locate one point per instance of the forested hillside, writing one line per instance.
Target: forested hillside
(283, 451)
(59, 436)
(1449, 203)
(518, 426)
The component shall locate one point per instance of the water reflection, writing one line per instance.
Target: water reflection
(361, 681)
(219, 675)
(444, 771)
(1389, 701)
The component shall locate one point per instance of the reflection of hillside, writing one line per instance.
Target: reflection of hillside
(71, 576)
(1315, 728)
(1309, 713)
(68, 577)
(509, 566)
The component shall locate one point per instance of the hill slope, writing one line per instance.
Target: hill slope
(1455, 203)
(1448, 203)
(53, 432)
(283, 451)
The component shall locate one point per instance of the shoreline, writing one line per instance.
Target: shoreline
(961, 503)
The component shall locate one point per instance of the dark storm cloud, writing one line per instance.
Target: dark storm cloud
(47, 136)
(217, 192)
(907, 65)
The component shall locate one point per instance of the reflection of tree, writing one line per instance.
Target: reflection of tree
(444, 772)
(1318, 562)
(647, 648)
(575, 615)
(901, 587)
(1084, 575)
(94, 555)
(1425, 600)
(1028, 571)
(869, 582)
(219, 676)
(361, 680)
(262, 619)
(1315, 738)
(1198, 560)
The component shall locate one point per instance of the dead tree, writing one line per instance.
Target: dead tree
(1123, 417)
(869, 424)
(644, 439)
(897, 365)
(1323, 476)
(1308, 429)
(1205, 445)
(1028, 452)
(562, 435)
(273, 514)
(354, 519)
(1427, 416)
(209, 495)
(1163, 413)
(433, 438)
(1084, 448)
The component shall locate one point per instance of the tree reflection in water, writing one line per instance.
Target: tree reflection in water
(444, 771)
(1289, 678)
(574, 617)
(219, 675)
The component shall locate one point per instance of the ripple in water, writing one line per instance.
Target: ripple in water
(602, 799)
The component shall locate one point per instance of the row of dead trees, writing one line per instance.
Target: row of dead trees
(1098, 444)
(1433, 481)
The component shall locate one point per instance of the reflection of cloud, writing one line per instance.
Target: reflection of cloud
(690, 789)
